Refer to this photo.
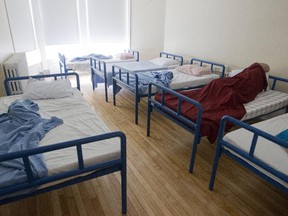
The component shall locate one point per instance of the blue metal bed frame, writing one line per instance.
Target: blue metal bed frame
(178, 118)
(98, 70)
(223, 146)
(92, 171)
(9, 82)
(62, 64)
(134, 89)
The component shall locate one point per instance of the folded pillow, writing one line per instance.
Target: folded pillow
(38, 89)
(194, 70)
(164, 61)
(124, 56)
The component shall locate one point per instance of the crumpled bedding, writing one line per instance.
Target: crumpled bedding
(22, 128)
(220, 97)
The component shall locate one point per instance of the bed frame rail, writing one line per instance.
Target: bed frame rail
(275, 79)
(215, 67)
(223, 145)
(176, 116)
(133, 52)
(91, 171)
(8, 86)
(62, 64)
(172, 56)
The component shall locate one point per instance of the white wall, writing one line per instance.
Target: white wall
(6, 45)
(233, 32)
(147, 27)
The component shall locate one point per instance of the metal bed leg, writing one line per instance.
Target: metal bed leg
(124, 176)
(136, 108)
(106, 91)
(148, 118)
(114, 92)
(215, 165)
(193, 154)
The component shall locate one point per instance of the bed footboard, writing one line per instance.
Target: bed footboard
(9, 83)
(99, 74)
(243, 157)
(172, 56)
(176, 116)
(86, 172)
(215, 67)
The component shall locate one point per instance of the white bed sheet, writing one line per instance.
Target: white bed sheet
(141, 66)
(264, 103)
(182, 81)
(79, 121)
(272, 154)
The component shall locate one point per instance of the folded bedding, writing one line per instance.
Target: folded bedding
(220, 97)
(22, 128)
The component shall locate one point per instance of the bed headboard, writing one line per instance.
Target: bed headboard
(9, 82)
(215, 67)
(62, 64)
(133, 52)
(172, 56)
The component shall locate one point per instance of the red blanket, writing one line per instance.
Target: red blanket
(220, 97)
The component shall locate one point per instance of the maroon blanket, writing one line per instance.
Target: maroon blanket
(220, 97)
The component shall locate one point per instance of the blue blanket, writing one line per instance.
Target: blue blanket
(144, 78)
(22, 128)
(87, 57)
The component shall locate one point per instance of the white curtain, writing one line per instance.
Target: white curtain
(103, 21)
(60, 21)
(21, 26)
(107, 20)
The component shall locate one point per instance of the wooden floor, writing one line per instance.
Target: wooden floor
(158, 179)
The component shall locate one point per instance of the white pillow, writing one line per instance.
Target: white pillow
(164, 61)
(37, 89)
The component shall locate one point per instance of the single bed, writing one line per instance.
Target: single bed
(194, 75)
(80, 149)
(199, 123)
(82, 63)
(261, 147)
(101, 69)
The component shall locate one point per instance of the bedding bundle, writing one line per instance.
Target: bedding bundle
(220, 97)
(22, 128)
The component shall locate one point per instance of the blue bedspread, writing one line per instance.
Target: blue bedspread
(87, 57)
(22, 128)
(144, 78)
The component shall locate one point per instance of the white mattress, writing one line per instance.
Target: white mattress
(79, 121)
(272, 154)
(79, 66)
(182, 80)
(265, 102)
(141, 66)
